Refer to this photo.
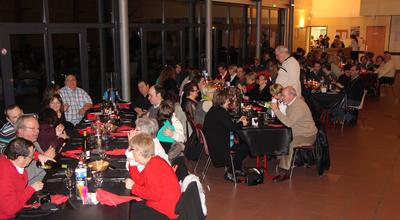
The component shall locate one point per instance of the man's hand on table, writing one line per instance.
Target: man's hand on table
(274, 106)
(244, 120)
(85, 107)
(129, 183)
(37, 186)
(43, 159)
(51, 152)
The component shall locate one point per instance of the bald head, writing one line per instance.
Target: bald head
(27, 127)
(288, 94)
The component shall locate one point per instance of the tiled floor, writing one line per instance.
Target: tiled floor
(363, 182)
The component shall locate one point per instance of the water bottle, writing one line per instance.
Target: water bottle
(231, 139)
(80, 171)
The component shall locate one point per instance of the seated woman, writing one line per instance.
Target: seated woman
(249, 89)
(167, 80)
(145, 125)
(15, 191)
(55, 102)
(51, 133)
(276, 93)
(157, 184)
(204, 105)
(189, 102)
(171, 128)
(218, 128)
(261, 92)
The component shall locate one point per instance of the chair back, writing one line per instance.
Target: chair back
(362, 100)
(204, 141)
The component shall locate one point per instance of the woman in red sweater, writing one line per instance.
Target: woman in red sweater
(14, 179)
(157, 183)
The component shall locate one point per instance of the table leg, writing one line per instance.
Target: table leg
(266, 174)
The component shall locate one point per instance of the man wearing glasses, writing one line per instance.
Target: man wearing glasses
(15, 191)
(28, 128)
(75, 99)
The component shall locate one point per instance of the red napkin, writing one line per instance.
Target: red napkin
(124, 128)
(58, 199)
(107, 198)
(91, 116)
(88, 130)
(124, 105)
(275, 125)
(120, 134)
(116, 152)
(35, 205)
(71, 153)
(257, 108)
(97, 105)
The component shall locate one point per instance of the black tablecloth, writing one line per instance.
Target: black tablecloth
(73, 209)
(327, 100)
(266, 140)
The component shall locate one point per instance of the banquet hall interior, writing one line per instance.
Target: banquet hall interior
(203, 81)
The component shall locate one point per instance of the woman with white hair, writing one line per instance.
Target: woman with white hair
(145, 125)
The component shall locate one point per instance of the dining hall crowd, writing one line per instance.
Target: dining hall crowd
(168, 112)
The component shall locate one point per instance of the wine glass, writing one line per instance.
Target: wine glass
(69, 185)
(102, 155)
(98, 178)
(68, 173)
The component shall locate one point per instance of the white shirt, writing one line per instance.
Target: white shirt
(19, 169)
(289, 74)
(76, 99)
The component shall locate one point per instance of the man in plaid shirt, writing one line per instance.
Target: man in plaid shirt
(76, 100)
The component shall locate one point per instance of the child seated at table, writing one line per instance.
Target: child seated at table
(157, 184)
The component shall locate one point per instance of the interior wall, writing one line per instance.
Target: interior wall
(380, 7)
(335, 24)
(301, 20)
(394, 41)
(335, 8)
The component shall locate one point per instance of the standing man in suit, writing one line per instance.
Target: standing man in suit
(289, 71)
(298, 117)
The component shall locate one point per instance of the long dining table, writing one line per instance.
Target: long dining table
(113, 180)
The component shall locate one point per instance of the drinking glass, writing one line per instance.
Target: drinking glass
(68, 173)
(98, 178)
(102, 155)
(69, 184)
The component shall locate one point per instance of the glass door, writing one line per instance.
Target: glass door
(69, 54)
(23, 68)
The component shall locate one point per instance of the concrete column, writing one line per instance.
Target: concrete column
(290, 28)
(258, 29)
(124, 45)
(208, 36)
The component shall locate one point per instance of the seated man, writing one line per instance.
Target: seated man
(28, 128)
(141, 103)
(76, 100)
(386, 71)
(344, 79)
(298, 117)
(156, 95)
(15, 191)
(8, 131)
(316, 73)
(355, 88)
(157, 183)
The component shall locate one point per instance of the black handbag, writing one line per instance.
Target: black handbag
(255, 176)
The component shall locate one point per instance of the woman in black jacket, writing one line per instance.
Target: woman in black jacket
(218, 128)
